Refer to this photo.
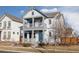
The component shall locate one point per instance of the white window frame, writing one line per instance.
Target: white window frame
(9, 24)
(9, 35)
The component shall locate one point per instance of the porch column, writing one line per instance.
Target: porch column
(43, 22)
(23, 40)
(27, 37)
(32, 22)
(32, 36)
(43, 30)
(32, 30)
(43, 37)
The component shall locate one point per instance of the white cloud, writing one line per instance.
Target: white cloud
(72, 19)
(22, 11)
(49, 10)
(69, 8)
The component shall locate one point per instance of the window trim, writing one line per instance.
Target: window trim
(50, 34)
(13, 32)
(4, 24)
(9, 24)
(17, 33)
(49, 21)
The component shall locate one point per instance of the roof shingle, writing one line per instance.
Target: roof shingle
(14, 18)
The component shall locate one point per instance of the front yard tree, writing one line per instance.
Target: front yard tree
(58, 27)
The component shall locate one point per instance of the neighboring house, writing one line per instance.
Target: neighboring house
(10, 28)
(39, 27)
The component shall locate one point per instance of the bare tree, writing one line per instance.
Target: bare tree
(58, 27)
(68, 31)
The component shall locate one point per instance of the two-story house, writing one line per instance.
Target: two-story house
(39, 27)
(10, 28)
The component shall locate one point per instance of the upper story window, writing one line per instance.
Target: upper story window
(50, 34)
(13, 32)
(32, 13)
(17, 33)
(38, 19)
(4, 26)
(0, 24)
(49, 21)
(9, 24)
(28, 20)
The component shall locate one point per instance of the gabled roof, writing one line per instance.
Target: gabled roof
(51, 15)
(47, 15)
(39, 12)
(14, 18)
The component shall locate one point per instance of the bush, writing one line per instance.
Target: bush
(42, 44)
(26, 44)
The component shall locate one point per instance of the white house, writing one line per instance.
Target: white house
(10, 28)
(39, 27)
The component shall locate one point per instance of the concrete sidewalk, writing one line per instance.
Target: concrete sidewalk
(53, 49)
(18, 49)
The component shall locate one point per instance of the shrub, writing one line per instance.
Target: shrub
(42, 44)
(26, 44)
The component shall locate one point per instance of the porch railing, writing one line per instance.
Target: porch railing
(36, 25)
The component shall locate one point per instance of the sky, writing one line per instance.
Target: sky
(71, 13)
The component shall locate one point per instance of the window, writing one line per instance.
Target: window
(34, 35)
(50, 34)
(4, 37)
(32, 13)
(4, 26)
(49, 21)
(0, 24)
(25, 35)
(9, 24)
(9, 35)
(17, 33)
(30, 36)
(13, 32)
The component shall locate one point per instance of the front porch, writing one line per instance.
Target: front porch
(33, 36)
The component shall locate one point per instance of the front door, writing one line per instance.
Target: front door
(40, 36)
(36, 37)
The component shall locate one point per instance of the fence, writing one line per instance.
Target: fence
(69, 40)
